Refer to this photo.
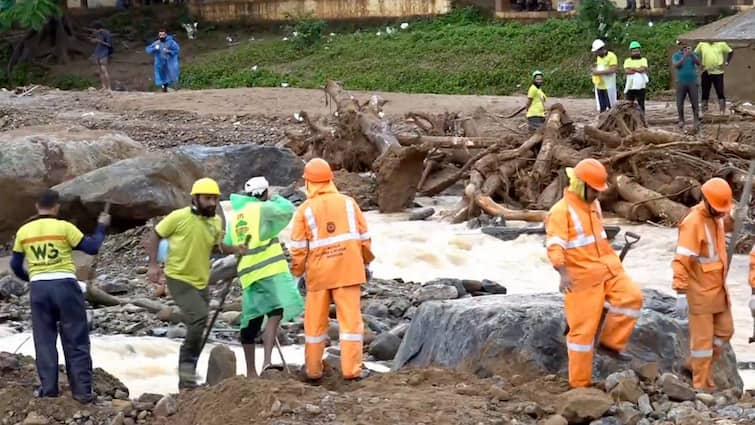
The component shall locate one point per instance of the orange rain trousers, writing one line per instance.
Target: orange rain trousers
(584, 306)
(349, 315)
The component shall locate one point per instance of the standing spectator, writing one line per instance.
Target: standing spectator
(604, 75)
(102, 53)
(636, 70)
(686, 62)
(165, 53)
(715, 57)
(536, 102)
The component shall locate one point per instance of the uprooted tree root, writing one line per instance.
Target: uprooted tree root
(656, 174)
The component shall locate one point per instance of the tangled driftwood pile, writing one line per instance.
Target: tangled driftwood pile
(655, 174)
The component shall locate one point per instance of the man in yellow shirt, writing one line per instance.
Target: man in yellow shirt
(636, 70)
(604, 76)
(715, 57)
(192, 233)
(47, 243)
(536, 102)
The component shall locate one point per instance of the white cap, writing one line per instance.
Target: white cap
(256, 186)
(597, 45)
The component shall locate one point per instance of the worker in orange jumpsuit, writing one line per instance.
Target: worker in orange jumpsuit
(592, 277)
(331, 246)
(700, 278)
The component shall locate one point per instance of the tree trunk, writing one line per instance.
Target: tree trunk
(669, 211)
(634, 212)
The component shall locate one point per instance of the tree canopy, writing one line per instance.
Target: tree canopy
(28, 14)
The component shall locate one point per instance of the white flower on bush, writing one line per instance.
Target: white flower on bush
(404, 25)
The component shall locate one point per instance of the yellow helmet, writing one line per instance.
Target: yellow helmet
(205, 186)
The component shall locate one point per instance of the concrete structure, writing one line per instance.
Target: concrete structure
(332, 10)
(739, 32)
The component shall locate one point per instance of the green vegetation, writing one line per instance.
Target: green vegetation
(460, 53)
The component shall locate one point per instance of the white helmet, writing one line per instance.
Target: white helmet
(256, 186)
(597, 45)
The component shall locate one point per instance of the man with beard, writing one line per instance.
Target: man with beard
(192, 233)
(636, 70)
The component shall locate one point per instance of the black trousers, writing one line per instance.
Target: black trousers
(637, 96)
(603, 100)
(714, 80)
(61, 302)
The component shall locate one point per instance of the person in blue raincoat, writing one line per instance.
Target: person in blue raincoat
(165, 53)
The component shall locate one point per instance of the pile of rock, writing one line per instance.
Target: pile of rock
(644, 398)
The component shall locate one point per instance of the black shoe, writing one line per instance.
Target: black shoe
(165, 88)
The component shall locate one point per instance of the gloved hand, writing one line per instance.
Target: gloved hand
(682, 308)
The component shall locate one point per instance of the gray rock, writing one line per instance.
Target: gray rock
(34, 418)
(159, 332)
(385, 346)
(35, 158)
(115, 287)
(675, 389)
(435, 292)
(377, 308)
(12, 286)
(731, 412)
(487, 329)
(683, 415)
(400, 330)
(472, 286)
(165, 407)
(410, 312)
(555, 420)
(706, 399)
(627, 389)
(644, 421)
(583, 404)
(398, 307)
(613, 379)
(118, 419)
(456, 283)
(421, 214)
(627, 414)
(120, 394)
(644, 404)
(222, 364)
(375, 324)
(493, 287)
(8, 362)
(233, 165)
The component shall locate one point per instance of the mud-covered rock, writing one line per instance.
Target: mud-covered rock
(583, 404)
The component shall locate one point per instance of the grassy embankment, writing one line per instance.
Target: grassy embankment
(460, 53)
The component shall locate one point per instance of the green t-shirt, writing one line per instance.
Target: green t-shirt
(191, 238)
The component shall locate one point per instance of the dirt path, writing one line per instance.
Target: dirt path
(287, 101)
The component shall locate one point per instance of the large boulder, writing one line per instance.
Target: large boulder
(491, 332)
(156, 183)
(233, 165)
(34, 159)
(137, 188)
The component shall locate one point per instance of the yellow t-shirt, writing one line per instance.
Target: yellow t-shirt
(537, 107)
(47, 244)
(191, 238)
(713, 55)
(635, 63)
(603, 63)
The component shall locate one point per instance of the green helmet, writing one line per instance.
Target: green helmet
(536, 73)
(634, 45)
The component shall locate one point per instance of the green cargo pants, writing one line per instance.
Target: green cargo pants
(194, 304)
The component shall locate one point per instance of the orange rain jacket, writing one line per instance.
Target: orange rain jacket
(330, 241)
(576, 239)
(700, 261)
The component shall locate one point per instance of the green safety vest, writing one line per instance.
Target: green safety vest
(263, 258)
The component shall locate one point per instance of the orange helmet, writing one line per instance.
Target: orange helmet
(317, 170)
(593, 173)
(718, 194)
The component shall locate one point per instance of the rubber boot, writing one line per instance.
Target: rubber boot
(187, 372)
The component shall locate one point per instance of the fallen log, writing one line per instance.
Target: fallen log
(633, 212)
(398, 171)
(496, 210)
(599, 137)
(667, 210)
(707, 119)
(645, 136)
(450, 142)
